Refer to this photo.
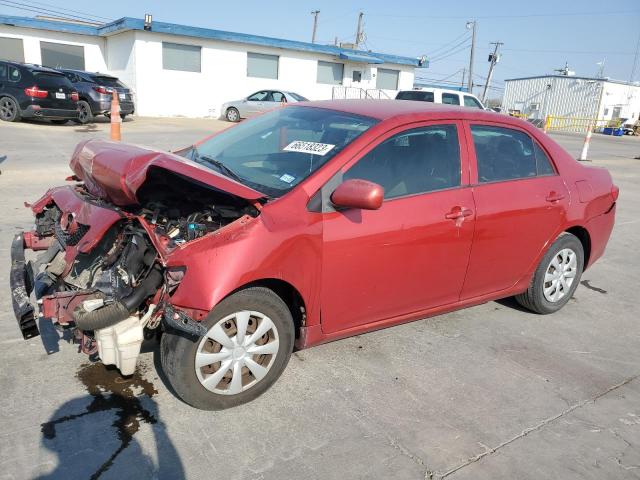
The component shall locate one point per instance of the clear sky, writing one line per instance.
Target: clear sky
(538, 36)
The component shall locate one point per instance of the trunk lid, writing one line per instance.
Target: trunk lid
(115, 171)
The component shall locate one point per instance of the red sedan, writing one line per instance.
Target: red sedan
(306, 224)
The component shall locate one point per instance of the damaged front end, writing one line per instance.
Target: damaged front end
(101, 262)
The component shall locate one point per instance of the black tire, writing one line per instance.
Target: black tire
(9, 110)
(59, 122)
(534, 299)
(123, 116)
(85, 115)
(232, 114)
(178, 351)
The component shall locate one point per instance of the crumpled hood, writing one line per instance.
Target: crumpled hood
(115, 171)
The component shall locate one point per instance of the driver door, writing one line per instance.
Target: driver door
(412, 253)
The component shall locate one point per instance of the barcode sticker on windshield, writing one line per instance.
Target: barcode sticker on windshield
(309, 147)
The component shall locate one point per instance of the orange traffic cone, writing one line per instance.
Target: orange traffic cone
(115, 117)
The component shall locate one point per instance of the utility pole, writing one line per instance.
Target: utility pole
(464, 72)
(359, 30)
(315, 25)
(471, 25)
(493, 59)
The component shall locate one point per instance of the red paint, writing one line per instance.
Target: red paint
(34, 242)
(358, 270)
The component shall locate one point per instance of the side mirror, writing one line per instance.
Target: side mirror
(358, 193)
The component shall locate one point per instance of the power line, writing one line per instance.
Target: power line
(530, 15)
(44, 11)
(450, 54)
(70, 10)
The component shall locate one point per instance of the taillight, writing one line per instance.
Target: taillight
(102, 90)
(74, 96)
(35, 92)
(615, 192)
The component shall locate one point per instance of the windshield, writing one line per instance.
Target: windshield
(274, 152)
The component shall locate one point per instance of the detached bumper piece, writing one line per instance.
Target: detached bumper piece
(21, 283)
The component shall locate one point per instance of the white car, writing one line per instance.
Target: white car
(441, 95)
(257, 103)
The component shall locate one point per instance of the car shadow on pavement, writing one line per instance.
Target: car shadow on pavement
(98, 433)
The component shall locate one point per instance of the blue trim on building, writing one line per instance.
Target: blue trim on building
(127, 23)
(356, 57)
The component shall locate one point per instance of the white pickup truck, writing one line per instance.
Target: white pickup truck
(441, 95)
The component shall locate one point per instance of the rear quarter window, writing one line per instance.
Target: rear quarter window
(415, 95)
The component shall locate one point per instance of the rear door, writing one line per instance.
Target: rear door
(59, 90)
(520, 203)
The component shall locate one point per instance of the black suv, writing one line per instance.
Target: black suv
(32, 91)
(96, 92)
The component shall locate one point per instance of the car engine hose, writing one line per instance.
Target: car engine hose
(104, 317)
(147, 287)
(115, 312)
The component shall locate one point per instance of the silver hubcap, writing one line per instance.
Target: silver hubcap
(232, 115)
(237, 352)
(560, 275)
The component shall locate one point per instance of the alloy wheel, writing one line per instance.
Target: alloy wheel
(560, 275)
(7, 109)
(237, 352)
(232, 115)
(83, 114)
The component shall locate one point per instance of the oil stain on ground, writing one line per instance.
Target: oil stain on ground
(591, 287)
(112, 392)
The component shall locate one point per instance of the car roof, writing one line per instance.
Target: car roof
(96, 74)
(436, 89)
(386, 109)
(32, 67)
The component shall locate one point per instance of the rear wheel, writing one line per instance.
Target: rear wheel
(233, 115)
(556, 277)
(85, 115)
(248, 344)
(9, 110)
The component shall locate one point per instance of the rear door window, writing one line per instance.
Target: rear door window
(504, 154)
(278, 97)
(471, 102)
(415, 161)
(14, 74)
(451, 98)
(543, 164)
(415, 95)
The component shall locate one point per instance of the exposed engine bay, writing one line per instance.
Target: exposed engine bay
(102, 268)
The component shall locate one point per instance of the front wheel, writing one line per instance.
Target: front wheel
(557, 276)
(248, 344)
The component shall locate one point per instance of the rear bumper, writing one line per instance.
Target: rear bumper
(53, 113)
(21, 283)
(100, 108)
(600, 229)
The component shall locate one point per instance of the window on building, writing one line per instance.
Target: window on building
(330, 73)
(184, 58)
(262, 66)
(451, 98)
(506, 154)
(415, 95)
(60, 55)
(356, 76)
(387, 79)
(414, 161)
(471, 102)
(11, 49)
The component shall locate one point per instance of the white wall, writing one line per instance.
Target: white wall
(619, 95)
(94, 47)
(136, 58)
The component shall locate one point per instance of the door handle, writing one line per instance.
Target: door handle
(554, 197)
(457, 213)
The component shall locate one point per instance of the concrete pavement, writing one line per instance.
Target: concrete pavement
(487, 392)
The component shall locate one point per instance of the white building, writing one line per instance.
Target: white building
(572, 96)
(176, 70)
